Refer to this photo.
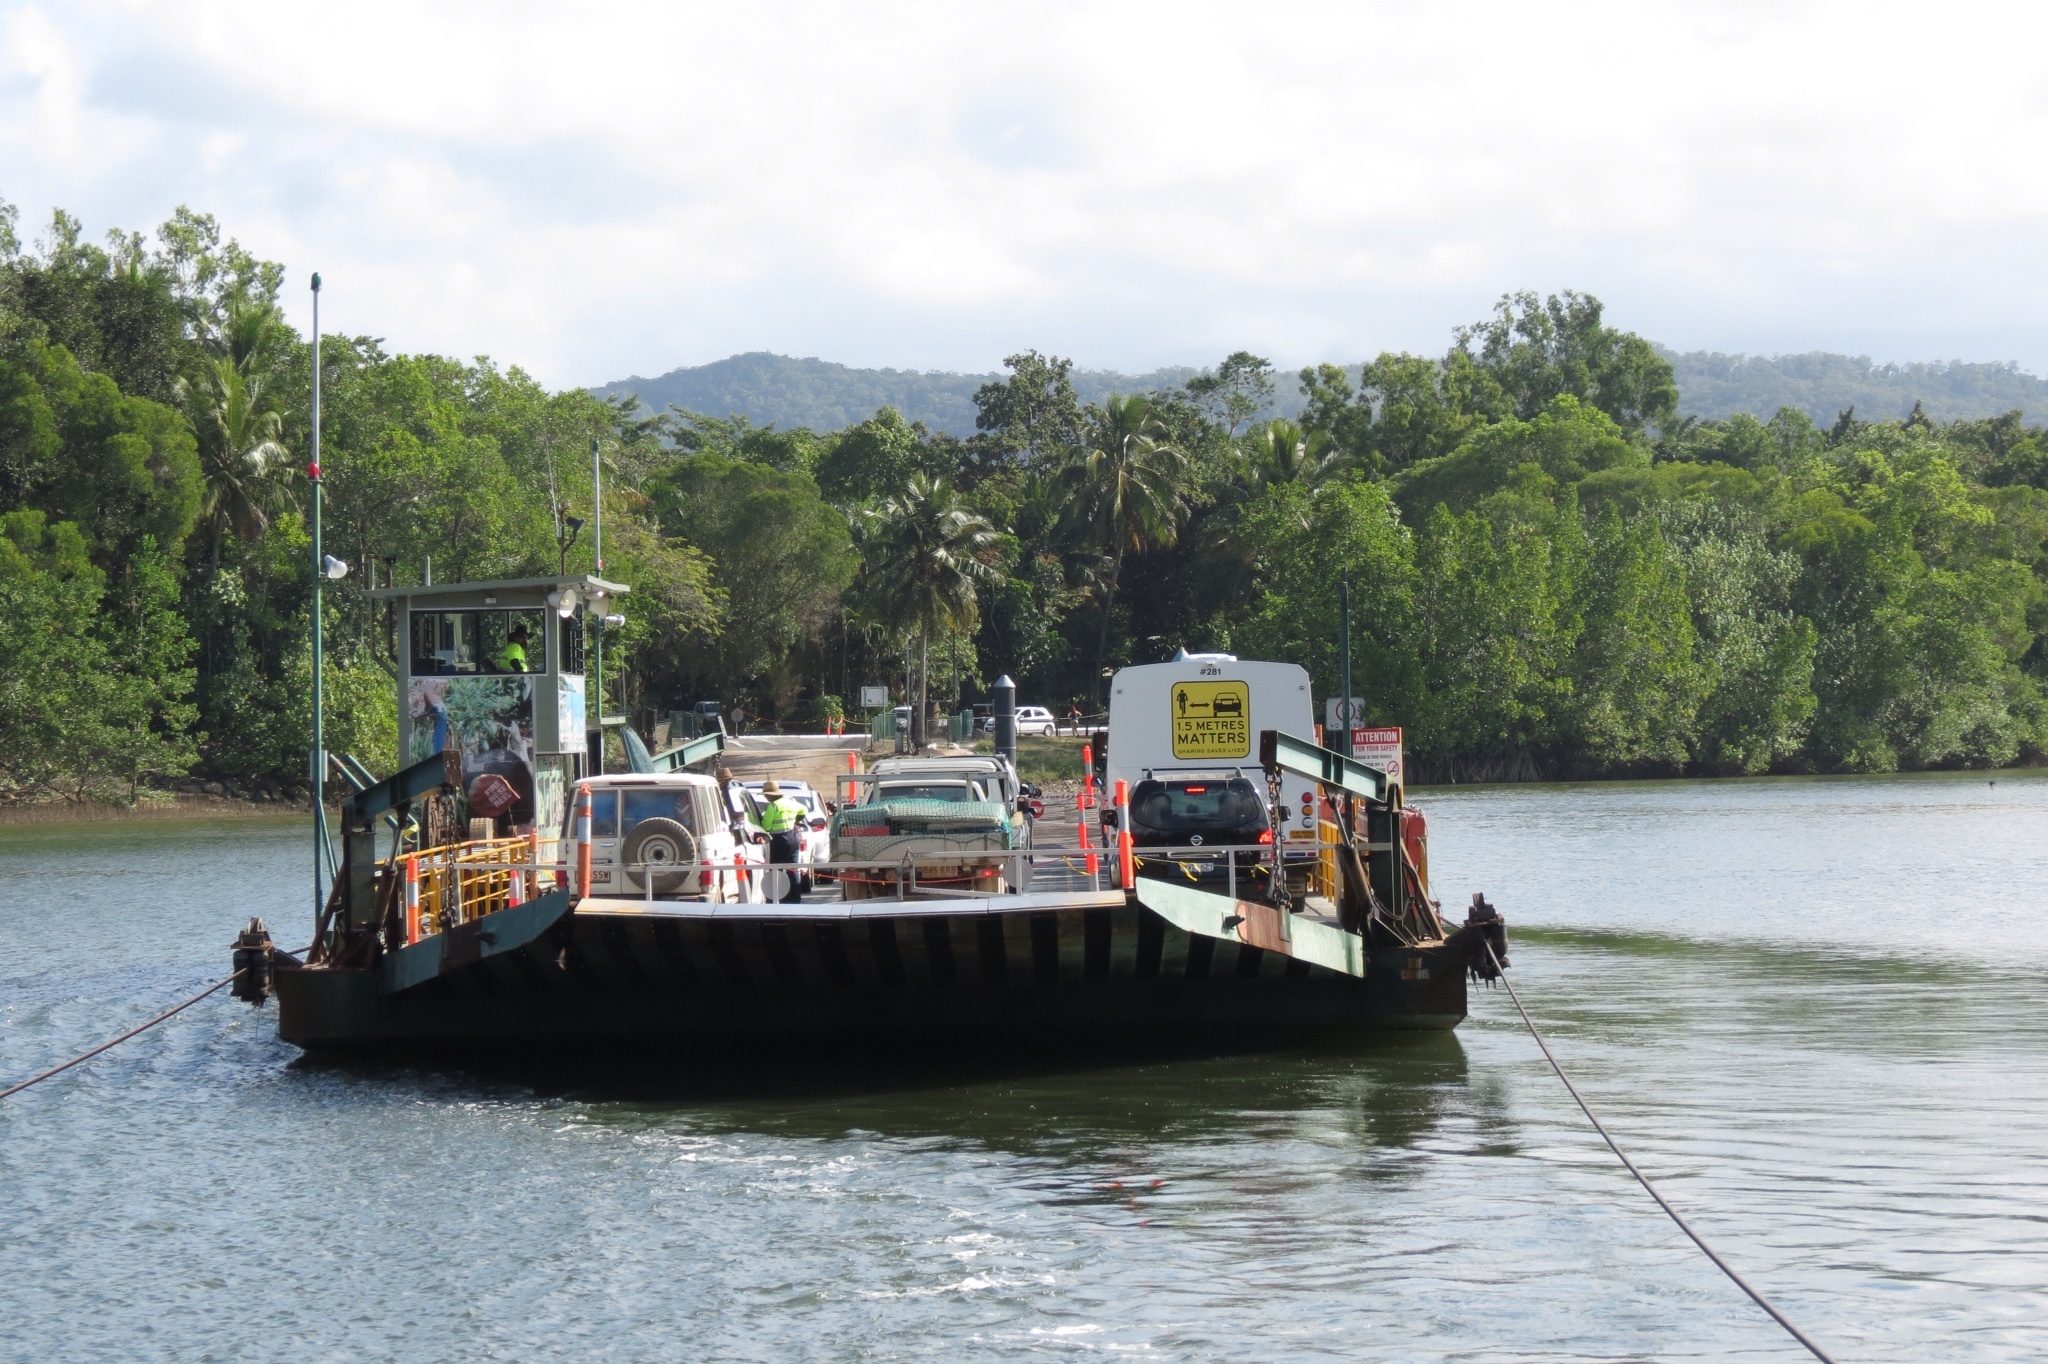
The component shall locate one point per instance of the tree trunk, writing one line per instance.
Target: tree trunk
(1116, 569)
(919, 734)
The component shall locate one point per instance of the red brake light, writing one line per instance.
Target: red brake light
(1265, 835)
(1196, 790)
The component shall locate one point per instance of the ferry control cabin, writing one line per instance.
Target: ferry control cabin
(493, 673)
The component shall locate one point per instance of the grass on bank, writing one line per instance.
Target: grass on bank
(1043, 759)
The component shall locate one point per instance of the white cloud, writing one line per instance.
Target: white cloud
(601, 190)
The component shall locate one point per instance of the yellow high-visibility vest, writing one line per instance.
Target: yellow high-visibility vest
(781, 815)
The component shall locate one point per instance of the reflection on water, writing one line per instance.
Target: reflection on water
(1813, 1009)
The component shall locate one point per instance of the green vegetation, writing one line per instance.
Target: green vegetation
(1553, 571)
(1042, 758)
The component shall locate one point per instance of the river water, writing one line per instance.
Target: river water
(1815, 1009)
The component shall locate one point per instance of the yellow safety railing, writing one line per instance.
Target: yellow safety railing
(459, 883)
(1323, 880)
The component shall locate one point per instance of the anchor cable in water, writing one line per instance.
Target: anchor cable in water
(144, 1027)
(1759, 1299)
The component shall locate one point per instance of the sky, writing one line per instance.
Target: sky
(603, 190)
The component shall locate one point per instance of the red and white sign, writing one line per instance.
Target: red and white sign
(1379, 748)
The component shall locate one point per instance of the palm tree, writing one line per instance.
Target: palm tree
(226, 398)
(1280, 451)
(1128, 493)
(926, 554)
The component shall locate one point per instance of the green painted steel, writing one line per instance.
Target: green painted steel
(1325, 765)
(1205, 912)
(684, 754)
(395, 791)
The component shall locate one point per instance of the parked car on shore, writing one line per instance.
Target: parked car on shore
(1030, 720)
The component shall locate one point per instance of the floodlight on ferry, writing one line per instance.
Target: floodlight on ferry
(615, 621)
(332, 567)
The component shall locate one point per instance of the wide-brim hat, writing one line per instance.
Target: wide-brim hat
(771, 787)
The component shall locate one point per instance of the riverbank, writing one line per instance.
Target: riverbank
(153, 807)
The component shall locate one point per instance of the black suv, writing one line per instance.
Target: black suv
(1175, 816)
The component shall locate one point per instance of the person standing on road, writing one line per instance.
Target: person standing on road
(782, 819)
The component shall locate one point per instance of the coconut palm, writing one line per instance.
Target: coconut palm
(1128, 493)
(1281, 451)
(926, 554)
(227, 399)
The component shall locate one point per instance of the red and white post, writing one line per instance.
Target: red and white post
(412, 899)
(583, 808)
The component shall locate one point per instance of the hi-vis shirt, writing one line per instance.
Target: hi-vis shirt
(781, 815)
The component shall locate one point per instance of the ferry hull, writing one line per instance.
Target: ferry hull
(619, 973)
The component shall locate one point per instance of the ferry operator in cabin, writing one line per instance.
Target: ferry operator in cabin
(781, 818)
(512, 658)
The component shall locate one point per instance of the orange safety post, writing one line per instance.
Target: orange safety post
(412, 900)
(1127, 862)
(1087, 842)
(853, 787)
(1088, 774)
(583, 811)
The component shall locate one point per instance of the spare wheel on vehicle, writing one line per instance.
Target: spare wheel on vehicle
(659, 843)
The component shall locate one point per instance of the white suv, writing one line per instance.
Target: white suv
(669, 828)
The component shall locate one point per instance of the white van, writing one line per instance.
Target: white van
(1203, 713)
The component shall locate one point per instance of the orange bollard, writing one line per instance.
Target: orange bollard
(412, 900)
(583, 812)
(1087, 842)
(1088, 774)
(1127, 862)
(852, 787)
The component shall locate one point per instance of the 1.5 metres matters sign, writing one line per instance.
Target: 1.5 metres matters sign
(1212, 720)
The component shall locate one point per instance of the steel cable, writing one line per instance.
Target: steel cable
(88, 1055)
(1754, 1296)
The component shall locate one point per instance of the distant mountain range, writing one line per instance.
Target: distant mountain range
(825, 396)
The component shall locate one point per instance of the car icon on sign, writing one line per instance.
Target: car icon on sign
(1228, 704)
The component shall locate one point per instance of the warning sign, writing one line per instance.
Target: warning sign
(1212, 720)
(1380, 748)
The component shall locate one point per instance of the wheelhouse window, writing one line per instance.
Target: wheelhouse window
(446, 642)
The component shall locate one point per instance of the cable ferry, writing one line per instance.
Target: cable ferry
(1228, 877)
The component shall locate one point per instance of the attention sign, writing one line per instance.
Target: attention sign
(1212, 720)
(1379, 748)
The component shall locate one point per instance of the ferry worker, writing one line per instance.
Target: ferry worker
(781, 820)
(512, 658)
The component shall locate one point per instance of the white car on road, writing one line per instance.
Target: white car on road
(1030, 720)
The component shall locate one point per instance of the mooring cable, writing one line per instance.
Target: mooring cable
(1759, 1299)
(87, 1056)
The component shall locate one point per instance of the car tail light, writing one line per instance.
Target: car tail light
(1265, 836)
(1196, 790)
(817, 824)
